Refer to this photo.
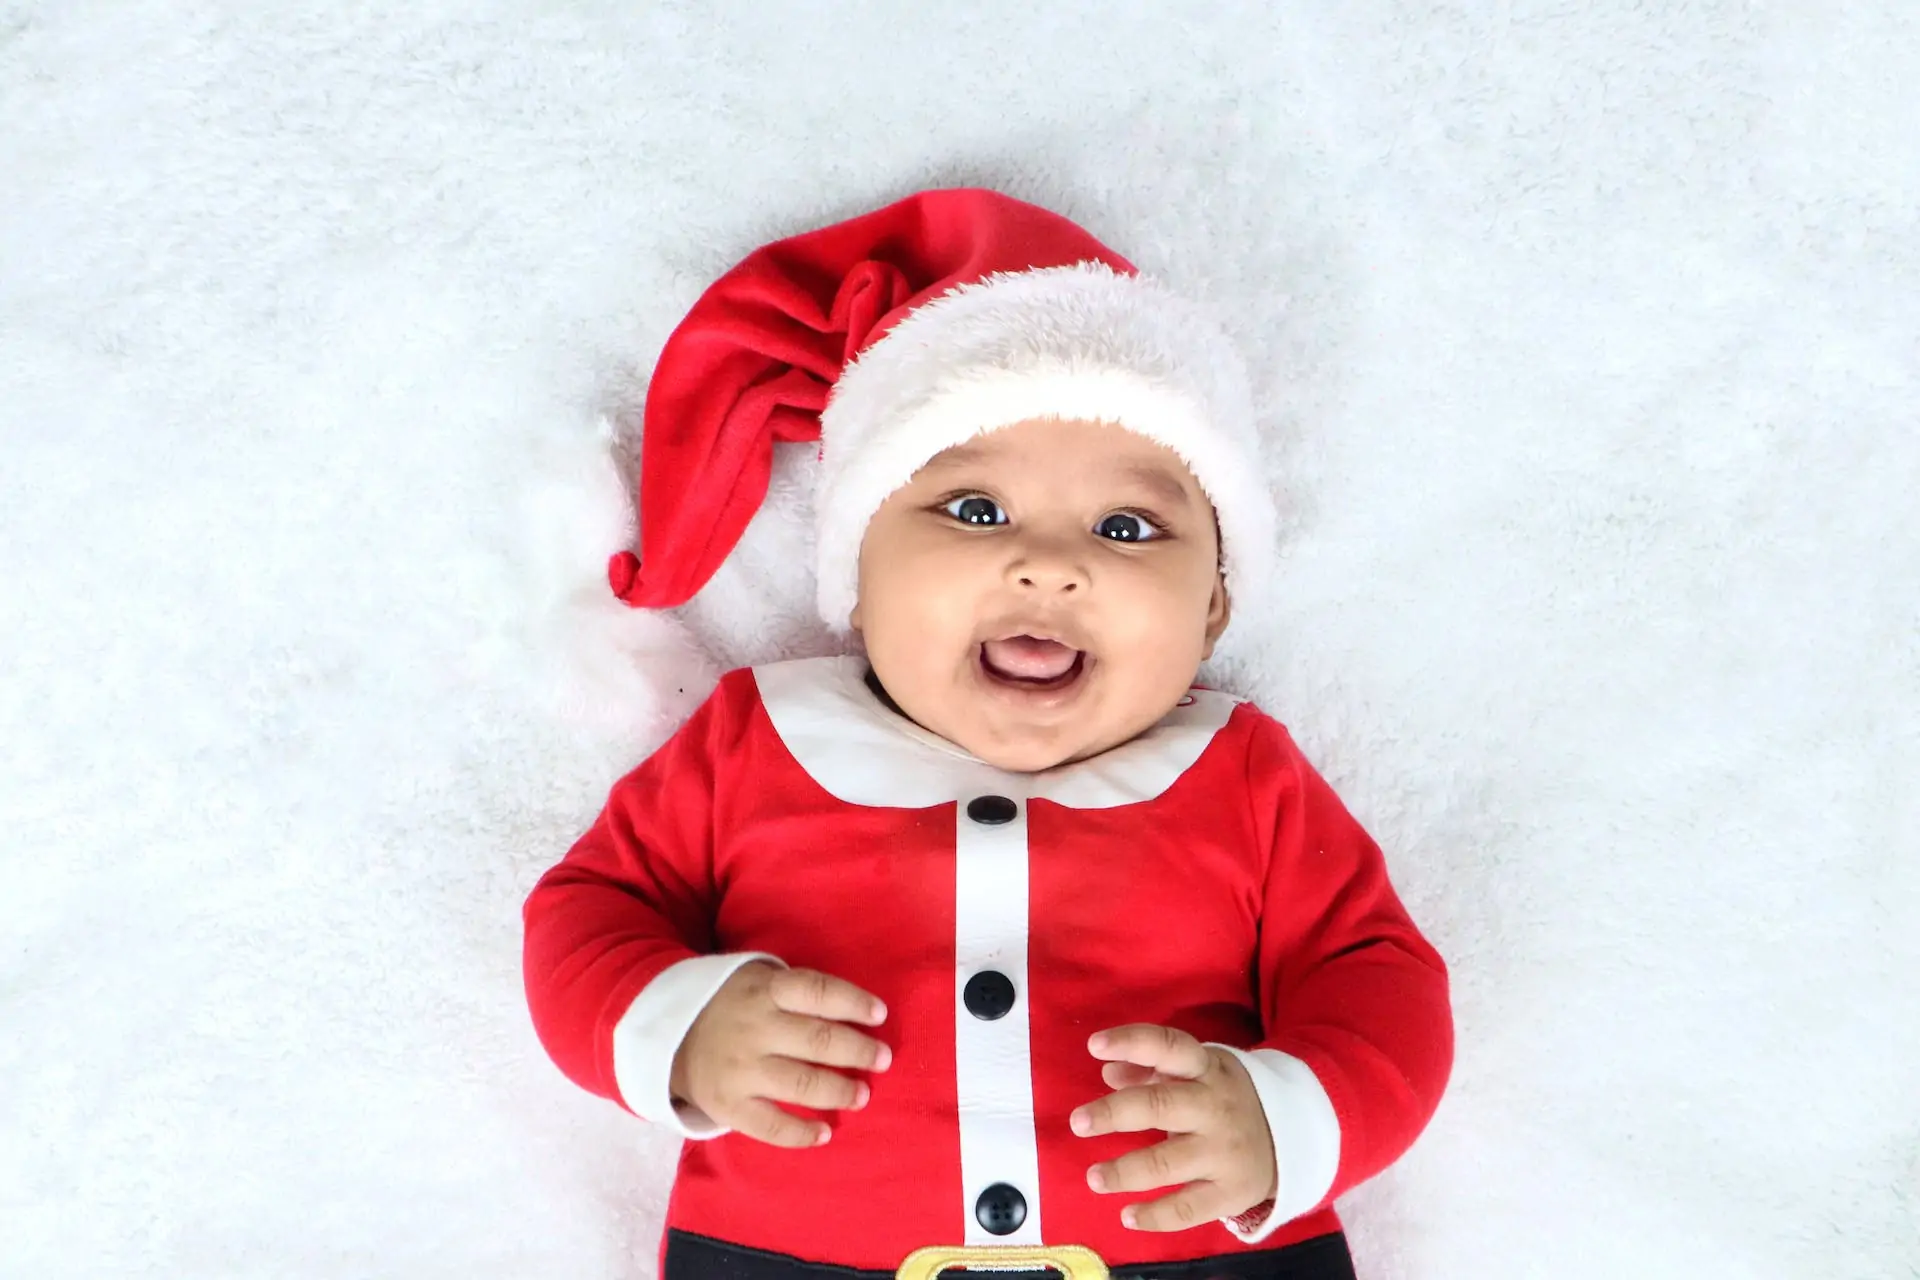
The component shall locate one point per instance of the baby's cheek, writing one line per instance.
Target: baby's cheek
(1173, 624)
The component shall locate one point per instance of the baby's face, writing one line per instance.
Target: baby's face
(1043, 592)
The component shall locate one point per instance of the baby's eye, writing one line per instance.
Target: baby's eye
(974, 509)
(1124, 526)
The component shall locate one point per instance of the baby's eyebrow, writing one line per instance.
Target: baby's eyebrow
(1162, 483)
(958, 456)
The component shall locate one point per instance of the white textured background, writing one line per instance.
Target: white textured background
(1590, 341)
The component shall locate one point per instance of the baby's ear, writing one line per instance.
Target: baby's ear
(853, 619)
(1219, 613)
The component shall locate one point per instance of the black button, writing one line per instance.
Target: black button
(991, 811)
(1001, 1209)
(988, 995)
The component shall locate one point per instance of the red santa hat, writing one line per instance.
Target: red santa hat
(898, 334)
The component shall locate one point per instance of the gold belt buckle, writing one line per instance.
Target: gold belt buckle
(1070, 1260)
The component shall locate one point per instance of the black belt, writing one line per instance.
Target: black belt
(691, 1257)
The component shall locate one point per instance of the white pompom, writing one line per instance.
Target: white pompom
(611, 667)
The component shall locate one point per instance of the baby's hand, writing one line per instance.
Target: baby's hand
(766, 1037)
(1218, 1144)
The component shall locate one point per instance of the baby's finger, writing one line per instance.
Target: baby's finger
(1164, 1164)
(1176, 1106)
(1124, 1075)
(819, 995)
(757, 1118)
(1170, 1052)
(831, 1044)
(805, 1085)
(1193, 1205)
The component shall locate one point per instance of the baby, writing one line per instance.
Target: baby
(1002, 945)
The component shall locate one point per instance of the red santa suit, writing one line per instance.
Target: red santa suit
(1201, 876)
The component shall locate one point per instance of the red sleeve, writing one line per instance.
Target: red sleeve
(633, 896)
(1347, 983)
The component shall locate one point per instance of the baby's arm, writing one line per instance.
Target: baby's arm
(1358, 1024)
(619, 948)
(630, 992)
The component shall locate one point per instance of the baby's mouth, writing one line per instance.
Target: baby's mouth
(1032, 662)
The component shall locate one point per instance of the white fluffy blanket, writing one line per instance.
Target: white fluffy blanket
(1589, 341)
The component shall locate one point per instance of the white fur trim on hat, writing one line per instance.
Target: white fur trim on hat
(1083, 342)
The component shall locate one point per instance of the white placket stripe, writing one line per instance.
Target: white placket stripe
(993, 1065)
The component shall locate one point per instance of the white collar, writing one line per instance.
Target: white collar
(862, 753)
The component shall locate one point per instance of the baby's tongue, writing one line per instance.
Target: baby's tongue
(1026, 658)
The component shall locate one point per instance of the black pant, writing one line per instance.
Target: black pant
(691, 1257)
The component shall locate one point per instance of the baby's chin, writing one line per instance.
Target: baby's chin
(1014, 748)
(1016, 739)
(1019, 758)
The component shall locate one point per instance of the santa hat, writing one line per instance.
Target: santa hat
(899, 334)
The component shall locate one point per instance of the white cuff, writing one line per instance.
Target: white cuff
(649, 1034)
(1305, 1131)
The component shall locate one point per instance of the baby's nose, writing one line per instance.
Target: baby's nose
(1047, 568)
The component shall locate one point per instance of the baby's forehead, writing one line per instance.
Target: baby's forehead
(1055, 448)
